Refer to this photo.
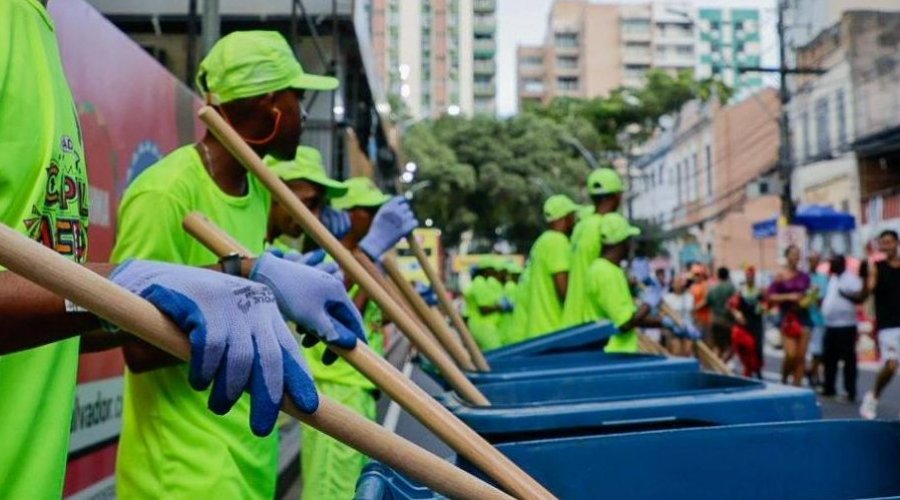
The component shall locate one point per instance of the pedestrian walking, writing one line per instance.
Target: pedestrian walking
(839, 315)
(788, 294)
(722, 320)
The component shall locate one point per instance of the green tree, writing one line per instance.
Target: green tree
(491, 176)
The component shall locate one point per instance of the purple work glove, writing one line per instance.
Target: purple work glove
(394, 221)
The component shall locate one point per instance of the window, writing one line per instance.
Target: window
(709, 179)
(635, 72)
(684, 50)
(533, 60)
(533, 85)
(804, 124)
(637, 49)
(635, 25)
(678, 179)
(567, 62)
(841, 118)
(823, 127)
(567, 83)
(695, 177)
(566, 39)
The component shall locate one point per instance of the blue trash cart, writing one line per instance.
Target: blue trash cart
(832, 459)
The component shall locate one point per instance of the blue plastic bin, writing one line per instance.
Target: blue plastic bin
(568, 365)
(566, 406)
(826, 459)
(589, 336)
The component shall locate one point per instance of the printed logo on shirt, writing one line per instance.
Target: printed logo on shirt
(59, 220)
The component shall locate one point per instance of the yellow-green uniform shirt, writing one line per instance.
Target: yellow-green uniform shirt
(172, 446)
(483, 326)
(519, 325)
(340, 371)
(43, 194)
(549, 256)
(609, 297)
(585, 248)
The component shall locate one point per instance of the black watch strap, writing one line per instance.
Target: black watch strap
(231, 264)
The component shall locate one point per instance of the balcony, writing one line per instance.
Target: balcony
(484, 6)
(488, 67)
(484, 48)
(485, 89)
(485, 25)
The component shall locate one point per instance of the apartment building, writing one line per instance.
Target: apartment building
(436, 56)
(591, 49)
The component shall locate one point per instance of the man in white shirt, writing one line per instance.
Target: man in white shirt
(840, 327)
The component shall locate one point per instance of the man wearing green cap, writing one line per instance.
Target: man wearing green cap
(331, 468)
(549, 262)
(608, 293)
(485, 303)
(305, 176)
(605, 189)
(170, 445)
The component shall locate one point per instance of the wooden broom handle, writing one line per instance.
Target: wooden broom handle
(447, 305)
(441, 331)
(427, 346)
(107, 300)
(411, 397)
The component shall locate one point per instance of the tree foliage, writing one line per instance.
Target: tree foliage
(492, 176)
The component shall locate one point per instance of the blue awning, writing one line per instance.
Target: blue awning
(815, 218)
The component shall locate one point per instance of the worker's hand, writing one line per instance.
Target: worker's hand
(652, 296)
(337, 221)
(239, 341)
(394, 221)
(693, 332)
(315, 300)
(314, 258)
(670, 324)
(427, 293)
(506, 305)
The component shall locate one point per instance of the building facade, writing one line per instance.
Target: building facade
(591, 49)
(694, 176)
(436, 56)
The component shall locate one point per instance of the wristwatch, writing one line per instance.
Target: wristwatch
(231, 264)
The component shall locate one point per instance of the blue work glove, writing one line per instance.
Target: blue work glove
(314, 258)
(427, 293)
(652, 296)
(337, 221)
(314, 300)
(506, 305)
(693, 332)
(394, 221)
(239, 341)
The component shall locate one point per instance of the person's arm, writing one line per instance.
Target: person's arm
(641, 318)
(33, 316)
(561, 283)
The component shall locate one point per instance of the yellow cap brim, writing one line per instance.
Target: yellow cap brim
(305, 81)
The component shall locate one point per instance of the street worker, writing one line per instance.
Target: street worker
(605, 188)
(548, 263)
(331, 468)
(484, 303)
(170, 445)
(45, 197)
(511, 324)
(609, 295)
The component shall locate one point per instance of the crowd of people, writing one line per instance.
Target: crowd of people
(577, 272)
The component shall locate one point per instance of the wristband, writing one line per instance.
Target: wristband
(231, 264)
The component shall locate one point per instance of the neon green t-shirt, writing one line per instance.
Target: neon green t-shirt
(549, 256)
(519, 324)
(609, 297)
(172, 446)
(43, 194)
(585, 248)
(340, 371)
(505, 325)
(481, 293)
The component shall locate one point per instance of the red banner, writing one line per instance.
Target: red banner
(132, 112)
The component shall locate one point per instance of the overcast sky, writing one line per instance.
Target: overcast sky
(525, 21)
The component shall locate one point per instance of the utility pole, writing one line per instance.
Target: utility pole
(212, 26)
(785, 160)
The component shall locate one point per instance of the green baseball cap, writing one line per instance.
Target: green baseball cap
(615, 228)
(307, 165)
(558, 206)
(604, 181)
(361, 192)
(514, 267)
(253, 63)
